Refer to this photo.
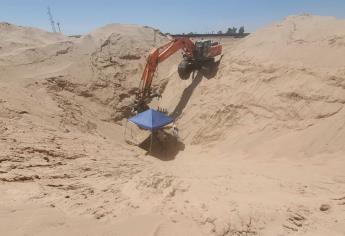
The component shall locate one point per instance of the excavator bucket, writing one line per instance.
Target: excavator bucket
(185, 68)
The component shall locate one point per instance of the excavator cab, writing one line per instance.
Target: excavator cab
(201, 49)
(204, 53)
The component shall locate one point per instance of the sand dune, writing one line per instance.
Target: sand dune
(261, 142)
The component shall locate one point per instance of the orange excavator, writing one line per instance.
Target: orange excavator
(199, 55)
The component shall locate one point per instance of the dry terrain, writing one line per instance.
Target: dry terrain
(261, 147)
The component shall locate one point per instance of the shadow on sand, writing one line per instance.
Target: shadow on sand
(164, 145)
(188, 92)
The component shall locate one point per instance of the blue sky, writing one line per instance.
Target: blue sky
(175, 16)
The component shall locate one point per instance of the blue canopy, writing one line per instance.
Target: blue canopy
(151, 119)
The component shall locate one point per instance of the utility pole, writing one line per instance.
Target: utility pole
(58, 25)
(51, 19)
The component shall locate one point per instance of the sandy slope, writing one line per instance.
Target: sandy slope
(262, 142)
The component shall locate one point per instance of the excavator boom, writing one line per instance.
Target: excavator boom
(158, 55)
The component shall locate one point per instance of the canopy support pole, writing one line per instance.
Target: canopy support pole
(151, 141)
(124, 135)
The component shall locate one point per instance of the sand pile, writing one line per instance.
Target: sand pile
(262, 140)
(90, 78)
(293, 42)
(17, 37)
(282, 87)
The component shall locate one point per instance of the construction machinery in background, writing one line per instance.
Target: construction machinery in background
(199, 55)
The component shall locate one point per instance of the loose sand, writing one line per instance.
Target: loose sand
(261, 149)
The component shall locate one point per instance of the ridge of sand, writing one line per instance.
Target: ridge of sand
(303, 41)
(14, 37)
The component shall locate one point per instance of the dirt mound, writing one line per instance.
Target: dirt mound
(294, 42)
(118, 61)
(282, 84)
(90, 79)
(15, 37)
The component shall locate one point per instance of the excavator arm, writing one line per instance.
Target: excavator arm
(158, 55)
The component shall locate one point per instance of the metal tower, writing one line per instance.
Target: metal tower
(51, 19)
(58, 25)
